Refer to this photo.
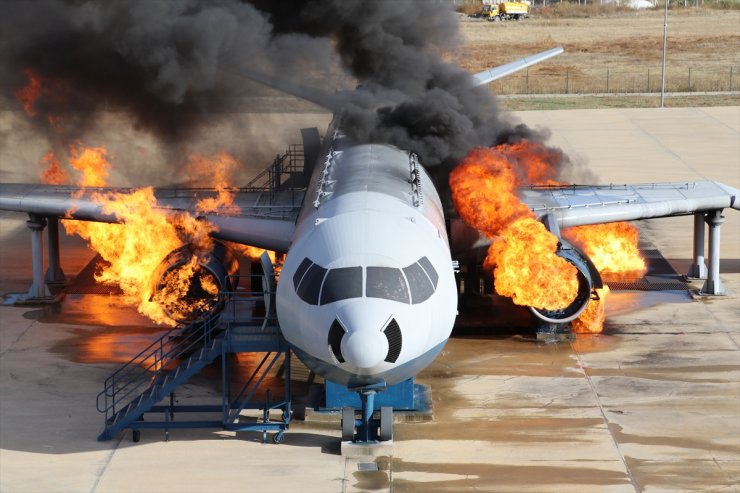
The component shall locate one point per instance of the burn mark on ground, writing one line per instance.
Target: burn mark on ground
(678, 442)
(489, 477)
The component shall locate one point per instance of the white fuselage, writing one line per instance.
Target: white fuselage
(367, 294)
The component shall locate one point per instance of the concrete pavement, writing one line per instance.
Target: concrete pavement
(652, 404)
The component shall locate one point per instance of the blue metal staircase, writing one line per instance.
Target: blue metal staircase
(157, 371)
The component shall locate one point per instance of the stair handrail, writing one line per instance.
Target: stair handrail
(128, 380)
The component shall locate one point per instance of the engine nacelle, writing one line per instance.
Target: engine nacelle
(588, 280)
(190, 283)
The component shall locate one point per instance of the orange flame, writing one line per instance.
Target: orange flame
(527, 270)
(612, 247)
(522, 253)
(29, 94)
(219, 168)
(253, 253)
(591, 320)
(42, 88)
(144, 236)
(92, 162)
(53, 174)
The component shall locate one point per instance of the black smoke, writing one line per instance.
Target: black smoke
(169, 63)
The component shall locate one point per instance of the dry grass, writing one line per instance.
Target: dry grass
(610, 50)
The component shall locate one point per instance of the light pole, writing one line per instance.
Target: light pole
(665, 35)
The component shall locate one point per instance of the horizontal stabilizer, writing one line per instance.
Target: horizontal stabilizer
(503, 70)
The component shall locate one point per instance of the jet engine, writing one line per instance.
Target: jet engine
(588, 280)
(191, 283)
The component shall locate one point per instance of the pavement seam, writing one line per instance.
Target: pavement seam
(11, 346)
(667, 149)
(720, 122)
(591, 385)
(104, 468)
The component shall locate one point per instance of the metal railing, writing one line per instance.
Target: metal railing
(134, 377)
(165, 353)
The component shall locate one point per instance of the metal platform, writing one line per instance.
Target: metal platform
(141, 394)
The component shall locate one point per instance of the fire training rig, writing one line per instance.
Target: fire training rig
(145, 386)
(141, 393)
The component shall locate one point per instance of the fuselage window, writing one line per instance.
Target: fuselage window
(342, 283)
(310, 286)
(387, 283)
(421, 286)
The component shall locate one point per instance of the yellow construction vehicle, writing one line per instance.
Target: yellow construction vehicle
(507, 11)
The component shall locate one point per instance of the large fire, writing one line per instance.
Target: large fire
(612, 247)
(526, 269)
(144, 235)
(522, 253)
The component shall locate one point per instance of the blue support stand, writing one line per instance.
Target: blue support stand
(404, 396)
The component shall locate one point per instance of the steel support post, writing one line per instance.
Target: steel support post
(713, 284)
(54, 273)
(368, 406)
(38, 289)
(698, 269)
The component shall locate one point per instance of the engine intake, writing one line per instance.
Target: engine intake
(190, 283)
(588, 280)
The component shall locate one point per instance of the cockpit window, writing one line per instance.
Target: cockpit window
(427, 265)
(342, 283)
(310, 285)
(421, 286)
(413, 284)
(422, 280)
(300, 272)
(387, 283)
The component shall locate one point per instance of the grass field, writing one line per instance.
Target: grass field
(612, 51)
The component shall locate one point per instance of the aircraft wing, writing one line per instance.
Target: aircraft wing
(495, 73)
(266, 220)
(577, 205)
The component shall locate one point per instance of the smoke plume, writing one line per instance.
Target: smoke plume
(169, 63)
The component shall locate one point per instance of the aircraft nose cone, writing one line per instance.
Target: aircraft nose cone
(364, 348)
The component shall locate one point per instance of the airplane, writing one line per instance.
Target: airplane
(368, 295)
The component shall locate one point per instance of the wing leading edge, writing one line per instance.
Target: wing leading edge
(578, 205)
(265, 220)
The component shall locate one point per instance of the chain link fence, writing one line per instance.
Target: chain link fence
(600, 81)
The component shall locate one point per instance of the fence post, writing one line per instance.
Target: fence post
(526, 83)
(607, 80)
(689, 79)
(730, 77)
(648, 81)
(567, 81)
